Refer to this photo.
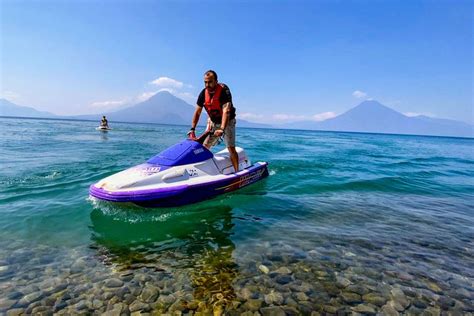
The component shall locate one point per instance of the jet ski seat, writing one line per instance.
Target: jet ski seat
(224, 164)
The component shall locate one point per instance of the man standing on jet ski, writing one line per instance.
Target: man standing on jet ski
(217, 100)
(104, 122)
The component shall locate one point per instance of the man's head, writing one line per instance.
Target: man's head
(210, 80)
(103, 117)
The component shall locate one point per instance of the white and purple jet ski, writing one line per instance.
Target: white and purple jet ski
(182, 174)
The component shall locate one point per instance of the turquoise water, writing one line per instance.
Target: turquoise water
(345, 223)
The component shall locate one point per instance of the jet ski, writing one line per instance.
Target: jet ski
(103, 128)
(182, 174)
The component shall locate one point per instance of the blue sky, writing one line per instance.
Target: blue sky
(283, 60)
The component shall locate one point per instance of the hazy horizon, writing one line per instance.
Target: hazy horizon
(256, 120)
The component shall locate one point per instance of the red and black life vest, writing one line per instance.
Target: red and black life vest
(212, 104)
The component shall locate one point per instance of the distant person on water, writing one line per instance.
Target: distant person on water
(217, 100)
(104, 122)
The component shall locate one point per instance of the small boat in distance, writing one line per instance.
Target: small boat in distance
(104, 125)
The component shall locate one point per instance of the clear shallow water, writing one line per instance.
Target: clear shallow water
(345, 223)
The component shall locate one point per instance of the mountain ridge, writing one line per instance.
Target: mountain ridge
(8, 108)
(368, 117)
(373, 117)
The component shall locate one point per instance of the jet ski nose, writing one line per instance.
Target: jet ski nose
(111, 186)
(105, 185)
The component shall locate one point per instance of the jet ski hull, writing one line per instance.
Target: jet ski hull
(182, 194)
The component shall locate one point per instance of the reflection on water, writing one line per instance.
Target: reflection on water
(104, 136)
(195, 238)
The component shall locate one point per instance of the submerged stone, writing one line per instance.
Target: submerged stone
(113, 283)
(6, 303)
(30, 298)
(331, 309)
(419, 304)
(253, 305)
(138, 306)
(15, 312)
(374, 298)
(300, 296)
(283, 270)
(364, 309)
(400, 302)
(342, 282)
(272, 311)
(274, 298)
(149, 294)
(263, 268)
(283, 279)
(434, 287)
(359, 289)
(389, 310)
(432, 311)
(351, 298)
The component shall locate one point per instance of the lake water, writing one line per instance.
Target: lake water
(345, 223)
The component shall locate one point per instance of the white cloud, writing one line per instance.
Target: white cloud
(288, 117)
(187, 96)
(10, 95)
(145, 96)
(284, 117)
(413, 114)
(251, 116)
(173, 86)
(108, 104)
(167, 82)
(294, 118)
(323, 116)
(359, 94)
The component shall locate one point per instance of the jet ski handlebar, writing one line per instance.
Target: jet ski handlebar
(200, 139)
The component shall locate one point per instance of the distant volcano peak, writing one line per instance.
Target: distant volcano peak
(372, 104)
(162, 95)
(372, 108)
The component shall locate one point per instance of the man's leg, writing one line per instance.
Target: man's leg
(207, 144)
(234, 157)
(210, 140)
(229, 138)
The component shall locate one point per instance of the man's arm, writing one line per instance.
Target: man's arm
(225, 114)
(197, 114)
(226, 99)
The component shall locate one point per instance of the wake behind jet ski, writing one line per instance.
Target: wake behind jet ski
(182, 174)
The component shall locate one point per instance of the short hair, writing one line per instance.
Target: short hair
(212, 72)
